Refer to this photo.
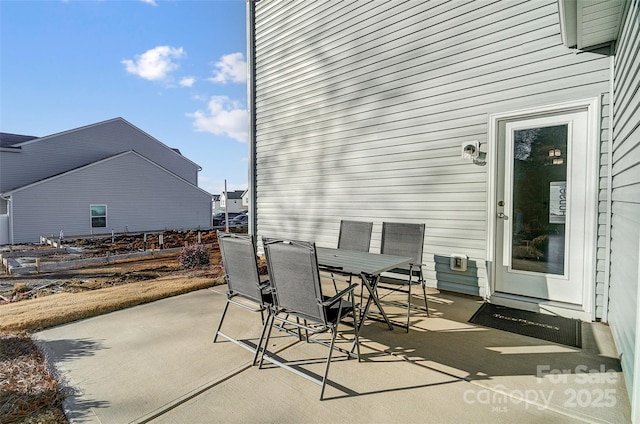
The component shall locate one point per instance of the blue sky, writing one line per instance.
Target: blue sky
(174, 69)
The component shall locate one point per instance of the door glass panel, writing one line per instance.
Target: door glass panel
(539, 199)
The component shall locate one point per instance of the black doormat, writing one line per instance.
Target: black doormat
(541, 326)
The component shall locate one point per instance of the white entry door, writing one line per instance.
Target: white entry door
(542, 196)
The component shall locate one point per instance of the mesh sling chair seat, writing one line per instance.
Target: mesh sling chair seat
(244, 288)
(402, 239)
(297, 292)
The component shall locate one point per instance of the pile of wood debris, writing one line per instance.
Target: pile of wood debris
(20, 287)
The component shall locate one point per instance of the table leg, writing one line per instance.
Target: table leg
(370, 282)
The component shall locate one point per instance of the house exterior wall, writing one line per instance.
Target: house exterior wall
(231, 205)
(245, 200)
(39, 159)
(232, 202)
(625, 205)
(362, 101)
(157, 200)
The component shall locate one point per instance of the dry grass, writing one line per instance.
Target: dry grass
(29, 393)
(36, 314)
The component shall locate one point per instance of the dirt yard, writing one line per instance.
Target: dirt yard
(15, 288)
(29, 392)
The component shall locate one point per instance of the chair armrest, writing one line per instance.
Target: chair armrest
(339, 296)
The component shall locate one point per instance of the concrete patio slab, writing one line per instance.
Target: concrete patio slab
(135, 362)
(157, 363)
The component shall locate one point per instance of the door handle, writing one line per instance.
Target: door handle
(502, 216)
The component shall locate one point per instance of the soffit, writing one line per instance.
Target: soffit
(589, 23)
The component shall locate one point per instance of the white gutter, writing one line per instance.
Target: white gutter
(251, 102)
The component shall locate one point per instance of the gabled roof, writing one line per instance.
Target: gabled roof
(110, 158)
(10, 140)
(30, 139)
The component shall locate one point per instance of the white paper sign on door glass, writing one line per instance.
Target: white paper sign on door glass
(557, 202)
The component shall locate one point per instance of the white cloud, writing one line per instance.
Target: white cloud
(231, 67)
(151, 2)
(155, 64)
(222, 117)
(187, 81)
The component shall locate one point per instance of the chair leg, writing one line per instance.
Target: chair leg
(335, 286)
(409, 305)
(224, 312)
(326, 370)
(266, 341)
(426, 305)
(299, 331)
(306, 332)
(356, 332)
(262, 333)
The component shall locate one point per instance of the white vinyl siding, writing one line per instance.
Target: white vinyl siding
(362, 107)
(598, 22)
(625, 220)
(158, 200)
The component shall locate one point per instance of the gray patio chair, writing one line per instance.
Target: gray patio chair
(297, 292)
(401, 239)
(244, 288)
(355, 235)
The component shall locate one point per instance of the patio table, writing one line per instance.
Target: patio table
(369, 266)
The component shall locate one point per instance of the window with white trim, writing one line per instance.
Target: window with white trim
(98, 216)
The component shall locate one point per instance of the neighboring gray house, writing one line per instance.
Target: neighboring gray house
(357, 101)
(245, 200)
(232, 201)
(216, 202)
(95, 179)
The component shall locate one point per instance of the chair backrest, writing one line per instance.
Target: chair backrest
(294, 278)
(239, 260)
(355, 235)
(402, 239)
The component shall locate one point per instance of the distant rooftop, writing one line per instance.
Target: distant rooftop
(10, 140)
(237, 194)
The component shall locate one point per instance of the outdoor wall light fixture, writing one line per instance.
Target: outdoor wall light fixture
(471, 151)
